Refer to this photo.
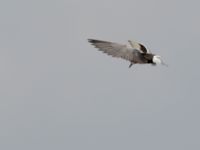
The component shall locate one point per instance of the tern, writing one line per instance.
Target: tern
(135, 53)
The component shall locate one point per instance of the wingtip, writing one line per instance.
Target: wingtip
(92, 41)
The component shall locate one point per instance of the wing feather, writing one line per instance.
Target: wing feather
(138, 46)
(113, 49)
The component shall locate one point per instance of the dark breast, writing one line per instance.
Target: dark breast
(148, 57)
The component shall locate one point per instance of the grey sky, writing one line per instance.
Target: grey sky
(58, 92)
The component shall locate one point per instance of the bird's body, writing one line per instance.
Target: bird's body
(136, 54)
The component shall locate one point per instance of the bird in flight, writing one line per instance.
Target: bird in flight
(135, 53)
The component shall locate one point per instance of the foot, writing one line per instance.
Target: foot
(130, 65)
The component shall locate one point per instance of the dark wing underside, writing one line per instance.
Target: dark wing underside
(143, 48)
(138, 46)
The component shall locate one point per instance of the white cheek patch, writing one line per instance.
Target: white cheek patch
(157, 60)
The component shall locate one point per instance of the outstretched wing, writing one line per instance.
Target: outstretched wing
(138, 46)
(113, 49)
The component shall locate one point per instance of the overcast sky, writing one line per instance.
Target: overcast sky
(59, 92)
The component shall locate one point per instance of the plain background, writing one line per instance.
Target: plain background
(59, 92)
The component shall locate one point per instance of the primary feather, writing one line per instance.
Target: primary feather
(117, 50)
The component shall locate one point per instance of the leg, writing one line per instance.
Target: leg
(130, 65)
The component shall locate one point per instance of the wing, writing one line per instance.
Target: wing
(113, 49)
(148, 56)
(138, 46)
